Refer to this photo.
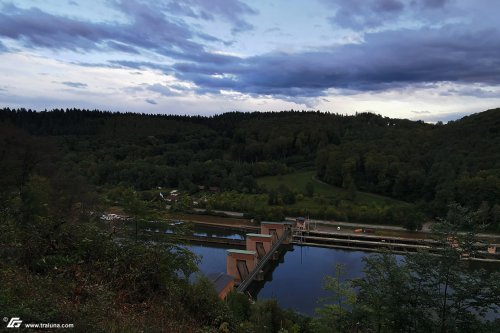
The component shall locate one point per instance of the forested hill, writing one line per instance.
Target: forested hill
(431, 165)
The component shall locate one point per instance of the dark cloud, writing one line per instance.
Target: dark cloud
(78, 85)
(363, 14)
(357, 14)
(233, 11)
(138, 65)
(151, 101)
(432, 3)
(149, 29)
(391, 6)
(386, 60)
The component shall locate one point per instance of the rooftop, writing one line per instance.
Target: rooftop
(220, 280)
(241, 251)
(259, 235)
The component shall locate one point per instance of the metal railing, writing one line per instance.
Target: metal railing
(245, 283)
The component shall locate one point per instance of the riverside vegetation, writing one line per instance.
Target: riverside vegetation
(60, 170)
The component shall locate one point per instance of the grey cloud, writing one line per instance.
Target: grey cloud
(140, 65)
(433, 3)
(421, 112)
(242, 27)
(233, 11)
(149, 28)
(122, 47)
(475, 92)
(357, 14)
(387, 60)
(75, 84)
(3, 48)
(362, 14)
(161, 89)
(271, 30)
(388, 6)
(151, 101)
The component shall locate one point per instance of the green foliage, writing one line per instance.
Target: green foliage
(309, 189)
(431, 291)
(240, 306)
(431, 165)
(202, 301)
(336, 313)
(281, 196)
(60, 263)
(331, 202)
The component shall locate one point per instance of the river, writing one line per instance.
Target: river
(296, 283)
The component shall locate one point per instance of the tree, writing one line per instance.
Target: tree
(431, 291)
(434, 290)
(309, 189)
(336, 313)
(384, 300)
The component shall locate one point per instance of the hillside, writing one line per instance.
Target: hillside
(424, 164)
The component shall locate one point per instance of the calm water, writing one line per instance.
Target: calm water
(217, 232)
(297, 283)
(298, 279)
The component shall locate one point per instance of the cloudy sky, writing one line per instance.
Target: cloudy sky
(418, 59)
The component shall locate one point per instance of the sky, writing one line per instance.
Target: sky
(431, 60)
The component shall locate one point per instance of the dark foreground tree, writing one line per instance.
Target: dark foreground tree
(436, 290)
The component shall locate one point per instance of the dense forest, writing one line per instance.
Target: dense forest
(425, 165)
(60, 170)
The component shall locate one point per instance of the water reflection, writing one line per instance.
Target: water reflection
(297, 282)
(297, 279)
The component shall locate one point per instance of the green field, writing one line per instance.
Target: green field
(297, 182)
(327, 202)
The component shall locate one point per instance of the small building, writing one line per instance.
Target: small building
(276, 229)
(259, 243)
(223, 283)
(240, 263)
(301, 223)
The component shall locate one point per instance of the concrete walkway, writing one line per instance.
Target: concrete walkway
(426, 229)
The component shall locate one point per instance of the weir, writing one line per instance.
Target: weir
(248, 265)
(300, 234)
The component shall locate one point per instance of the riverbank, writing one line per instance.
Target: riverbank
(325, 226)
